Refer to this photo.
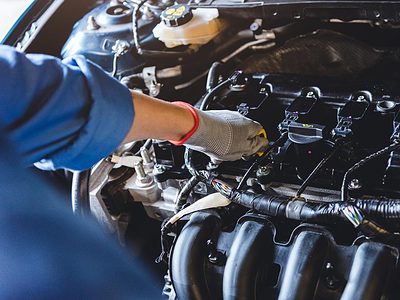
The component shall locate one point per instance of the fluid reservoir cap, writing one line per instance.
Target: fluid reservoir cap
(176, 15)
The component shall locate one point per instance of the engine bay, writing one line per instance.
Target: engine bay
(315, 215)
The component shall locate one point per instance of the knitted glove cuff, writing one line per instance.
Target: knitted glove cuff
(196, 124)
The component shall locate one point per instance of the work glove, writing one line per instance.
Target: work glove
(223, 134)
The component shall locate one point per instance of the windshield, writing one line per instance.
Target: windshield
(11, 11)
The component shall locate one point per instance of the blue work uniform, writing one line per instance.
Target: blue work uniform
(63, 115)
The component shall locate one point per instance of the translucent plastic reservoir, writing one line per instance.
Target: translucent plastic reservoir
(203, 27)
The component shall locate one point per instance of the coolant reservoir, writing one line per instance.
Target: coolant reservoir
(182, 26)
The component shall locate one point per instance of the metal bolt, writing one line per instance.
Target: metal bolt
(120, 47)
(140, 170)
(331, 283)
(329, 266)
(92, 24)
(331, 279)
(263, 171)
(215, 257)
(142, 179)
(159, 169)
(212, 165)
(155, 90)
(200, 188)
(34, 27)
(144, 153)
(355, 184)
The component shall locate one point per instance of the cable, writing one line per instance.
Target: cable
(210, 201)
(136, 41)
(135, 16)
(147, 144)
(183, 194)
(261, 159)
(203, 106)
(213, 75)
(353, 214)
(246, 46)
(203, 175)
(115, 65)
(210, 95)
(198, 175)
(314, 172)
(359, 221)
(364, 161)
(325, 212)
(221, 187)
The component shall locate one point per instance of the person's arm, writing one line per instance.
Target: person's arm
(221, 134)
(48, 253)
(158, 119)
(70, 114)
(65, 114)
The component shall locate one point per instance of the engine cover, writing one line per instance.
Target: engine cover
(315, 113)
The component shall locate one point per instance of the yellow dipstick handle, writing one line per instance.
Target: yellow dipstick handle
(263, 134)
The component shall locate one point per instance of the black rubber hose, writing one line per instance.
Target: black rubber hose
(210, 95)
(213, 75)
(189, 254)
(80, 192)
(296, 29)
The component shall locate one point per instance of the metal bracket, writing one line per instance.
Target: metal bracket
(150, 80)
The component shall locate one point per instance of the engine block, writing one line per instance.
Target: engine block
(234, 253)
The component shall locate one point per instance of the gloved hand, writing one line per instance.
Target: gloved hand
(223, 134)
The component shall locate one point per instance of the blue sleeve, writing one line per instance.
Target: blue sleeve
(63, 114)
(47, 253)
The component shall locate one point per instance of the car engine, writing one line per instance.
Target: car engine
(316, 214)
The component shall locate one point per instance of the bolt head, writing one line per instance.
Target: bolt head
(355, 184)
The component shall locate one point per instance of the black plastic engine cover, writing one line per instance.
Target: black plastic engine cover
(316, 112)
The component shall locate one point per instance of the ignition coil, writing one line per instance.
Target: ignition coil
(298, 116)
(350, 116)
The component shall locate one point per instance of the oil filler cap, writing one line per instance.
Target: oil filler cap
(176, 15)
